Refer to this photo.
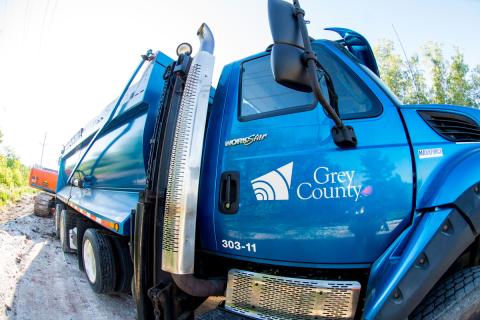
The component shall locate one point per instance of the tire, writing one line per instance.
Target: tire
(51, 206)
(123, 265)
(42, 204)
(83, 224)
(41, 210)
(67, 222)
(56, 216)
(42, 201)
(43, 197)
(99, 261)
(456, 297)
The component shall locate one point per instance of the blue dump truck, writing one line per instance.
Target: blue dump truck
(298, 188)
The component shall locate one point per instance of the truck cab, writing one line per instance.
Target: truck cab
(300, 199)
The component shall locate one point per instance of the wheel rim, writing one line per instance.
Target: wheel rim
(62, 236)
(89, 261)
(56, 221)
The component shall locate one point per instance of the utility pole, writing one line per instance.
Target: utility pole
(43, 148)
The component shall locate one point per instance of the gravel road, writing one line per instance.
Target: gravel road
(39, 281)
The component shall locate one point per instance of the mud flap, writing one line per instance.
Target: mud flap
(142, 253)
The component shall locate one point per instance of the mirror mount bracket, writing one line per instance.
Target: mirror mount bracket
(310, 55)
(298, 10)
(343, 136)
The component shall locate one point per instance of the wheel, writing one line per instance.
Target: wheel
(83, 225)
(51, 206)
(41, 210)
(41, 205)
(56, 216)
(99, 262)
(456, 297)
(123, 265)
(67, 222)
(43, 197)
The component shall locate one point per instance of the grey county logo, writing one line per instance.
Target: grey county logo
(325, 184)
(274, 185)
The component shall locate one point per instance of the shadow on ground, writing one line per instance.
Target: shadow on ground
(39, 281)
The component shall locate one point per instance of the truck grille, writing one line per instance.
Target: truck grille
(264, 296)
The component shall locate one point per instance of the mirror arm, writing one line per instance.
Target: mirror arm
(332, 95)
(312, 72)
(344, 136)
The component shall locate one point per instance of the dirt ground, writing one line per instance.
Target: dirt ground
(39, 281)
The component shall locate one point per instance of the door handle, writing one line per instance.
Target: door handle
(229, 192)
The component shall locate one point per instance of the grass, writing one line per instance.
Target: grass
(8, 194)
(13, 179)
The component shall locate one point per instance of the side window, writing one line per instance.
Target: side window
(261, 96)
(355, 100)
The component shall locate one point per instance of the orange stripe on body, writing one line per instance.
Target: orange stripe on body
(107, 224)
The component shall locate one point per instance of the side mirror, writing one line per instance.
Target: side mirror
(287, 57)
(295, 65)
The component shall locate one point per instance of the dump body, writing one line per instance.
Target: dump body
(114, 170)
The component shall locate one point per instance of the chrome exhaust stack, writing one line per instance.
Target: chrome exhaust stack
(180, 214)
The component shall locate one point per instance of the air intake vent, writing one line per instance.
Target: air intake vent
(452, 126)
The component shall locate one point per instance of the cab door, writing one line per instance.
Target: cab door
(283, 190)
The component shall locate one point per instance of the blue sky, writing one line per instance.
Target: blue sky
(62, 61)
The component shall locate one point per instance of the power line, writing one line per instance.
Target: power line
(43, 148)
(3, 16)
(414, 79)
(43, 23)
(52, 15)
(25, 22)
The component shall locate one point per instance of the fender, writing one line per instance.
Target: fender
(455, 177)
(411, 266)
(406, 272)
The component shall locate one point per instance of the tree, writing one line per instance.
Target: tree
(434, 56)
(458, 86)
(405, 79)
(475, 86)
(443, 81)
(1, 137)
(416, 90)
(391, 67)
